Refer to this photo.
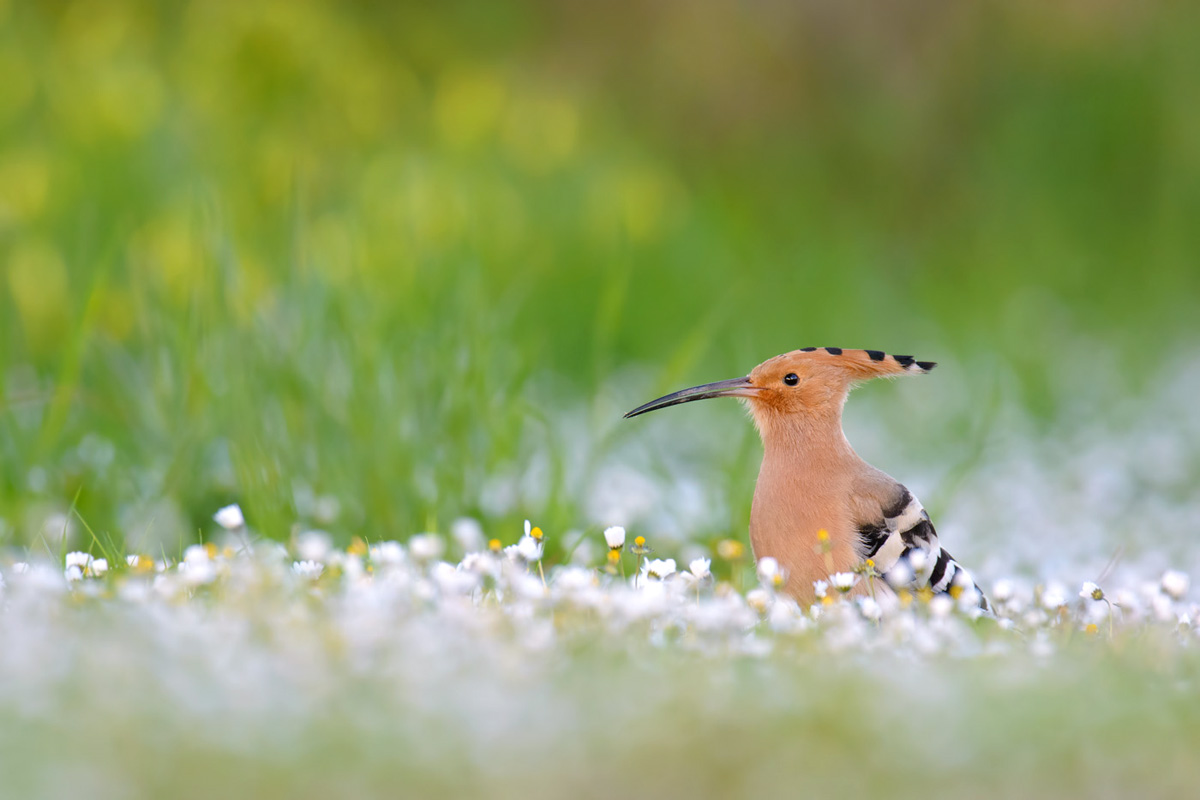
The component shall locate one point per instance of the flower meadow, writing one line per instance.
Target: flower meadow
(458, 664)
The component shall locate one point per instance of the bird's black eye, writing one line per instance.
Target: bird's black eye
(791, 379)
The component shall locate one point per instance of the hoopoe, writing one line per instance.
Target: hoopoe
(818, 508)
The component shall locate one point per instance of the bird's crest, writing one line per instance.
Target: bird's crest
(852, 365)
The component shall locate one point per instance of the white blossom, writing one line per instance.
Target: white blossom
(614, 537)
(770, 574)
(390, 554)
(308, 569)
(1002, 590)
(314, 546)
(900, 575)
(658, 568)
(1053, 598)
(426, 546)
(1175, 584)
(454, 581)
(758, 599)
(843, 581)
(700, 568)
(940, 605)
(870, 608)
(230, 517)
(529, 548)
(767, 569)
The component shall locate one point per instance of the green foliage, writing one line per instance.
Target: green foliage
(262, 251)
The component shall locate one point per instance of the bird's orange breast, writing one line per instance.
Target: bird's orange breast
(800, 518)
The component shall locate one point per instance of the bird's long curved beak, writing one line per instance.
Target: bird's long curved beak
(737, 387)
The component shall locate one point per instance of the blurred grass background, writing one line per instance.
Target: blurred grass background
(343, 263)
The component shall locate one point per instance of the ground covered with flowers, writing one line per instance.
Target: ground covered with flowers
(455, 665)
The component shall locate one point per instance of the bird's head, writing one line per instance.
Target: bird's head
(810, 381)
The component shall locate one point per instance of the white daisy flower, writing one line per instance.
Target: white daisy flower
(426, 546)
(900, 575)
(195, 554)
(659, 568)
(940, 605)
(699, 568)
(230, 517)
(455, 581)
(758, 599)
(1175, 583)
(767, 569)
(843, 581)
(1091, 591)
(78, 559)
(1003, 590)
(869, 608)
(308, 569)
(770, 574)
(314, 546)
(1053, 598)
(529, 549)
(388, 554)
(614, 537)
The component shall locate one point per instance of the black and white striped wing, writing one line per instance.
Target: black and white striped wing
(907, 553)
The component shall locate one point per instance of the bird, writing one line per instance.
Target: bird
(819, 509)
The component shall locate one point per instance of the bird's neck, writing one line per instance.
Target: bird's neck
(801, 495)
(814, 440)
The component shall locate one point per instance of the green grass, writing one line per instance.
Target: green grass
(376, 252)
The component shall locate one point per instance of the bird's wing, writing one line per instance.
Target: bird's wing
(906, 551)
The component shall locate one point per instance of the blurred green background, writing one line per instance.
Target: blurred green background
(345, 263)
